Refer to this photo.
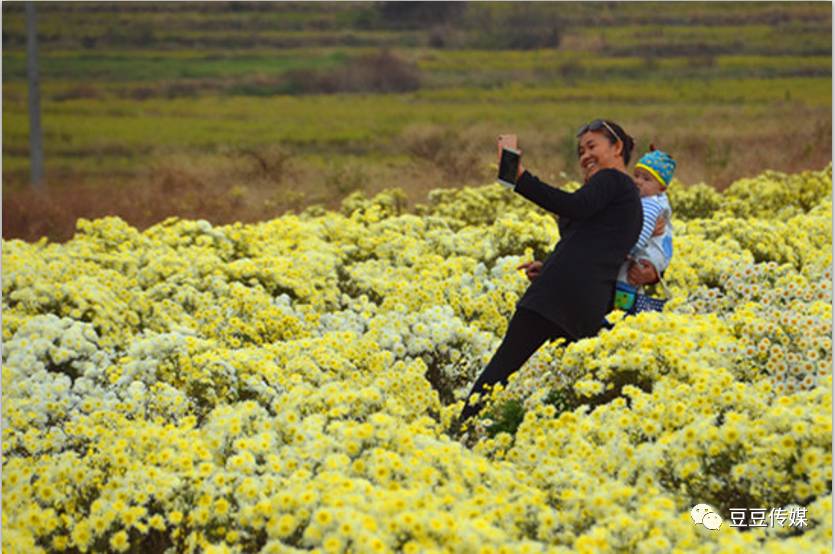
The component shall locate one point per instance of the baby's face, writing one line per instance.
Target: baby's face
(647, 184)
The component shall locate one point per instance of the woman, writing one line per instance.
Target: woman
(574, 287)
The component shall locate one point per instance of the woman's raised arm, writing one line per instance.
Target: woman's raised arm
(585, 202)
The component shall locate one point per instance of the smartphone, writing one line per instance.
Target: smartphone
(509, 167)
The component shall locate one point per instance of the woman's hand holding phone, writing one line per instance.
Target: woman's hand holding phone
(511, 142)
(507, 141)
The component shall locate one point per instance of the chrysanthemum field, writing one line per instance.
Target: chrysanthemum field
(288, 386)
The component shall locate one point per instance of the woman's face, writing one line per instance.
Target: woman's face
(595, 152)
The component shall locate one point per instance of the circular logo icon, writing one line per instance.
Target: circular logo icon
(699, 512)
(703, 514)
(712, 521)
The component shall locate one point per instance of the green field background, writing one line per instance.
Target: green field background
(225, 94)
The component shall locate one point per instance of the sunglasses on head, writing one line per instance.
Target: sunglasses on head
(596, 125)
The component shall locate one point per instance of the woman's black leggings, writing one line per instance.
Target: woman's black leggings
(526, 332)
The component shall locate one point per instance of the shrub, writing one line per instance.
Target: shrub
(379, 72)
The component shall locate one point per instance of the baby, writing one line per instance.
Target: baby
(652, 175)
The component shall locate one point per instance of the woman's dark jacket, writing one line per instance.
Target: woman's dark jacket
(599, 224)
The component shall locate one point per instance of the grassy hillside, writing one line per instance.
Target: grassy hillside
(287, 104)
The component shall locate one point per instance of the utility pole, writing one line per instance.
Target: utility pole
(35, 136)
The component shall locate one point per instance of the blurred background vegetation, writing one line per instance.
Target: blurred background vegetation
(239, 111)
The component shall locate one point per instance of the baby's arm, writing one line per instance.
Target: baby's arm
(652, 213)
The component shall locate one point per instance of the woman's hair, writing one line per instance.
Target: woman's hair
(628, 142)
